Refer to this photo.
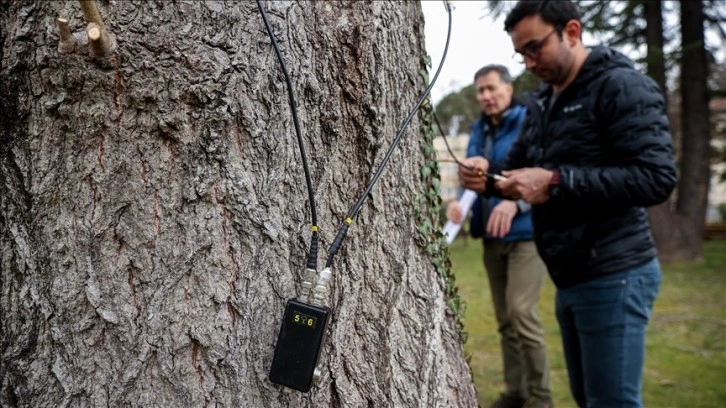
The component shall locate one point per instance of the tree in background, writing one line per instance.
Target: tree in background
(717, 87)
(154, 217)
(457, 110)
(678, 225)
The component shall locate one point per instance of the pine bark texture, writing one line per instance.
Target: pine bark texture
(154, 217)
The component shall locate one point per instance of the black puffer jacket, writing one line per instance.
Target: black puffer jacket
(607, 134)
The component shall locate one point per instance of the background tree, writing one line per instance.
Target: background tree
(679, 229)
(717, 88)
(153, 214)
(655, 44)
(457, 110)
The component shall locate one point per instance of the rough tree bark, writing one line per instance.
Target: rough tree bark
(154, 217)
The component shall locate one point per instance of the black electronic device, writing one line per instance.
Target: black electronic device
(298, 345)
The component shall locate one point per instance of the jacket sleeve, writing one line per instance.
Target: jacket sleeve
(638, 144)
(516, 158)
(517, 155)
(473, 148)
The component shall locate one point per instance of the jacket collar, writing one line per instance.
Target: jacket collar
(486, 120)
(599, 60)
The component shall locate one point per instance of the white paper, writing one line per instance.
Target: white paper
(451, 228)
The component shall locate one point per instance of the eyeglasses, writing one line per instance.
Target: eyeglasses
(532, 49)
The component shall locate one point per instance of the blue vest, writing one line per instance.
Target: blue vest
(495, 150)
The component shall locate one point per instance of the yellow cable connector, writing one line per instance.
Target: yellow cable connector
(315, 228)
(349, 220)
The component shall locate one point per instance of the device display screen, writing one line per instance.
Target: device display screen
(303, 320)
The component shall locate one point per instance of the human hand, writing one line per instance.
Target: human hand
(530, 184)
(474, 179)
(500, 219)
(453, 212)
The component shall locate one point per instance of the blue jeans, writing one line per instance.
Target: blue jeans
(602, 323)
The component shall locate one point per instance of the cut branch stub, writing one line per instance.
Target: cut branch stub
(101, 43)
(67, 42)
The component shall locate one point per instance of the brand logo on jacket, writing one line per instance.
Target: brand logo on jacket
(570, 109)
(541, 102)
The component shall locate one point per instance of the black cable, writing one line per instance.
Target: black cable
(356, 208)
(313, 253)
(455, 160)
(446, 142)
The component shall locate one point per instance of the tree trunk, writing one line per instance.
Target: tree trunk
(679, 226)
(661, 216)
(695, 121)
(653, 12)
(155, 220)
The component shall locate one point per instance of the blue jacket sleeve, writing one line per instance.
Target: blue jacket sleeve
(516, 158)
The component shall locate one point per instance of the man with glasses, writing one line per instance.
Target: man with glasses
(595, 150)
(514, 269)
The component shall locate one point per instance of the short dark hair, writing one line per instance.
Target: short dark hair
(555, 12)
(503, 72)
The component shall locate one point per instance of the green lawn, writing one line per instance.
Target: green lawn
(686, 344)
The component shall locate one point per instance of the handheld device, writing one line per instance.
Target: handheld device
(497, 177)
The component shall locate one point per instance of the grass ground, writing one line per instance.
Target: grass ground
(685, 345)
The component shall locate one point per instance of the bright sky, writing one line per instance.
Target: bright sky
(476, 41)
